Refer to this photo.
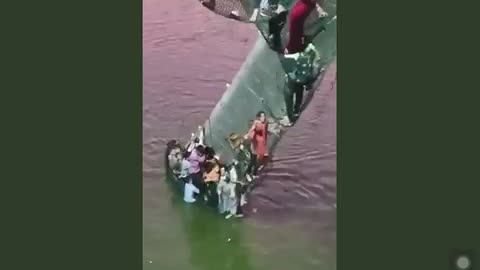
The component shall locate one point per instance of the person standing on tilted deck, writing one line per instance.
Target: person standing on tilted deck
(258, 137)
(226, 191)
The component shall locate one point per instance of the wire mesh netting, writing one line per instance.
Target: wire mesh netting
(242, 9)
(238, 9)
(267, 18)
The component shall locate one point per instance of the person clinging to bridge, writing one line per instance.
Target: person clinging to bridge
(211, 176)
(299, 17)
(196, 160)
(258, 137)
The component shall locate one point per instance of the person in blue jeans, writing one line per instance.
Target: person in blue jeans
(190, 191)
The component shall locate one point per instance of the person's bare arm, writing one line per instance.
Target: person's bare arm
(201, 135)
(252, 129)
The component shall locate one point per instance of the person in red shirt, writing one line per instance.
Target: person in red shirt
(297, 17)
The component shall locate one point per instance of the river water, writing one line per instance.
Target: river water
(189, 54)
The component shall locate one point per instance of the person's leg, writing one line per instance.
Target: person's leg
(275, 27)
(289, 100)
(256, 165)
(207, 190)
(232, 208)
(204, 189)
(239, 210)
(243, 195)
(222, 203)
(251, 164)
(260, 162)
(298, 100)
(213, 198)
(197, 181)
(182, 183)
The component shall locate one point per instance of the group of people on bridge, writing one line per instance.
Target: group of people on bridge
(197, 169)
(298, 54)
(276, 15)
(203, 176)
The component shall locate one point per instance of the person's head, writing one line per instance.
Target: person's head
(261, 116)
(200, 150)
(227, 168)
(234, 163)
(235, 140)
(174, 153)
(186, 154)
(209, 166)
(210, 152)
(171, 144)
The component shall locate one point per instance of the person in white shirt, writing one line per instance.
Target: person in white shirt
(223, 191)
(226, 192)
(183, 173)
(184, 169)
(189, 192)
